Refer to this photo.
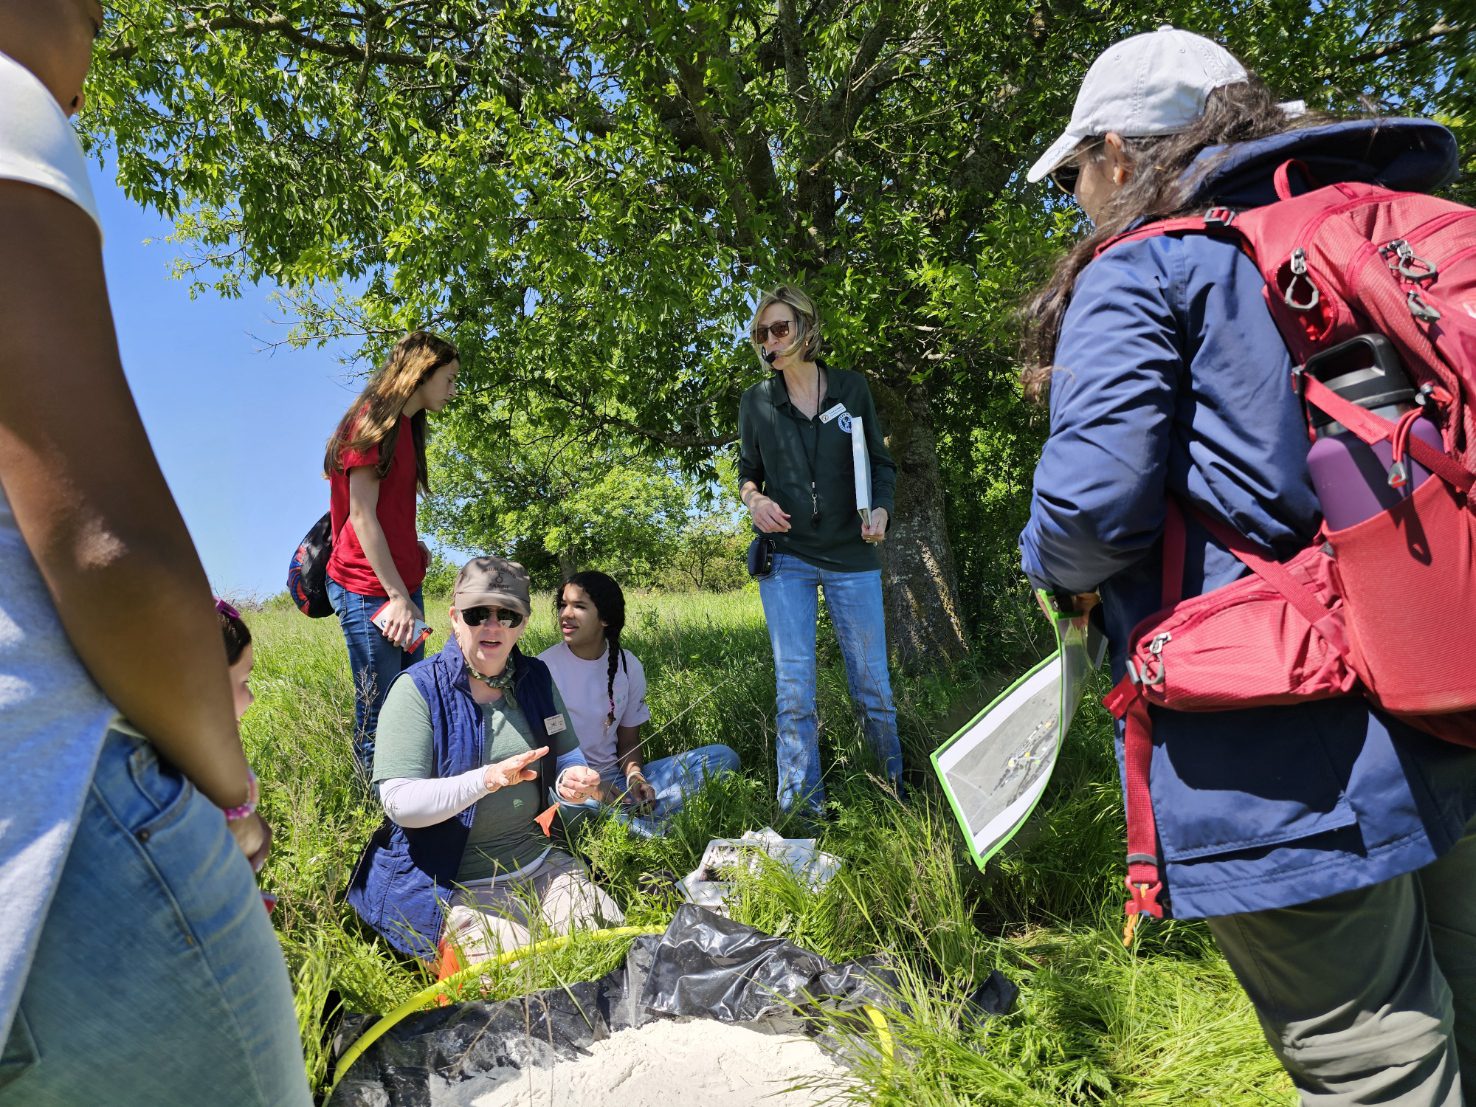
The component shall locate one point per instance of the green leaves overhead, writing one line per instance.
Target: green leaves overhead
(588, 196)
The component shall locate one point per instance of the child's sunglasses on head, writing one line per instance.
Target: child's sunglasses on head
(778, 330)
(476, 616)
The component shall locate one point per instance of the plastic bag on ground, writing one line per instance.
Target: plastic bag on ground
(703, 966)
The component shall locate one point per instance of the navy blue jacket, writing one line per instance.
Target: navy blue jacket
(405, 875)
(1172, 378)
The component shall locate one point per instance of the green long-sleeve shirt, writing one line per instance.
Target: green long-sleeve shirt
(780, 449)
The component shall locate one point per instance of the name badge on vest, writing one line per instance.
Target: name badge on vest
(554, 724)
(838, 409)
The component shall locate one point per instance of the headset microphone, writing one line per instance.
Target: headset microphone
(770, 355)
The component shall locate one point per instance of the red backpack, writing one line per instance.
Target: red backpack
(1359, 609)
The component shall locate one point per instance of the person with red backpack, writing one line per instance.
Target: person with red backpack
(1329, 844)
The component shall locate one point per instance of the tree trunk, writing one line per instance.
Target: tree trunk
(924, 622)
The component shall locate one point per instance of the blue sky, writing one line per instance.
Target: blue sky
(238, 428)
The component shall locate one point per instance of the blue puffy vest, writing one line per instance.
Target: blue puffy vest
(406, 874)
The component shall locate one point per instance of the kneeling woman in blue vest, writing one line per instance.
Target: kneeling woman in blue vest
(462, 765)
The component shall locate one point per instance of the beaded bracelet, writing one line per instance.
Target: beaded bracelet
(253, 793)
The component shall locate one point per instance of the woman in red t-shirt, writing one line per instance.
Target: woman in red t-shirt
(374, 462)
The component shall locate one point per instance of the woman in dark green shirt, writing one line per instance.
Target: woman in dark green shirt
(797, 479)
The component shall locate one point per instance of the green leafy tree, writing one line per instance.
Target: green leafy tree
(708, 555)
(589, 195)
(554, 502)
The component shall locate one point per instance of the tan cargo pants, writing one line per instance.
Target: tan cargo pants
(491, 917)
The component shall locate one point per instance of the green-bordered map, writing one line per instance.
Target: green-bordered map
(995, 769)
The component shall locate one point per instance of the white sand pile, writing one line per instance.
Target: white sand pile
(676, 1063)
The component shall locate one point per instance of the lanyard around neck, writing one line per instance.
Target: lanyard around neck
(812, 453)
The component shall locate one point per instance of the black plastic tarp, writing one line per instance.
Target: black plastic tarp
(704, 966)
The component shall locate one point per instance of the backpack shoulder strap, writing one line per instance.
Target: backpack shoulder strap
(1215, 221)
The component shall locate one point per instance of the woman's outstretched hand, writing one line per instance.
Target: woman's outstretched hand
(513, 770)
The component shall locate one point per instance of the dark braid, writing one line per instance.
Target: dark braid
(609, 603)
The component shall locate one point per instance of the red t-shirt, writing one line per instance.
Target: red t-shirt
(395, 511)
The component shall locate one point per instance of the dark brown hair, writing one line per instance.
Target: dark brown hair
(1160, 187)
(233, 630)
(374, 418)
(609, 602)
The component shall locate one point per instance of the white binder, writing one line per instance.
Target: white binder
(861, 460)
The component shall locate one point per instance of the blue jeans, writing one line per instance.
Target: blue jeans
(673, 779)
(374, 659)
(159, 978)
(791, 608)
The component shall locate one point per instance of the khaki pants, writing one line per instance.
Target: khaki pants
(488, 918)
(1369, 997)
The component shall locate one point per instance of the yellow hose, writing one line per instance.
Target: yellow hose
(426, 997)
(883, 1033)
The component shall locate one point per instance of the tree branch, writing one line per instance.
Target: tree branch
(1390, 49)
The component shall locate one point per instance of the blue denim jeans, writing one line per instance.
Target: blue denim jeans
(159, 978)
(673, 779)
(374, 659)
(791, 608)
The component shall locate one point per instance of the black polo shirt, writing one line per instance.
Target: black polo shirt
(779, 448)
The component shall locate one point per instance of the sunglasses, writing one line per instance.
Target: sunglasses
(1065, 175)
(778, 330)
(226, 609)
(476, 616)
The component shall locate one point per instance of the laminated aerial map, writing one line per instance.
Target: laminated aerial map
(996, 768)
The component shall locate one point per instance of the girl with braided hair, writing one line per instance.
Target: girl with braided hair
(604, 689)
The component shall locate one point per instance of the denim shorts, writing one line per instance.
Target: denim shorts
(159, 978)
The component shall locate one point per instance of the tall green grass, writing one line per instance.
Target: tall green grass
(1163, 1022)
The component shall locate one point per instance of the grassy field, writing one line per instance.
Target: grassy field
(1162, 1023)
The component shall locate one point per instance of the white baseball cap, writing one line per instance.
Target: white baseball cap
(1152, 84)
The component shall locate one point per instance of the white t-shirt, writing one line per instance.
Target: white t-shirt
(584, 686)
(52, 716)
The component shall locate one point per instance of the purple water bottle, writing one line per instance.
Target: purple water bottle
(1352, 478)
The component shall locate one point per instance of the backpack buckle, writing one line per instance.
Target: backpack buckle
(1144, 902)
(1299, 275)
(1219, 216)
